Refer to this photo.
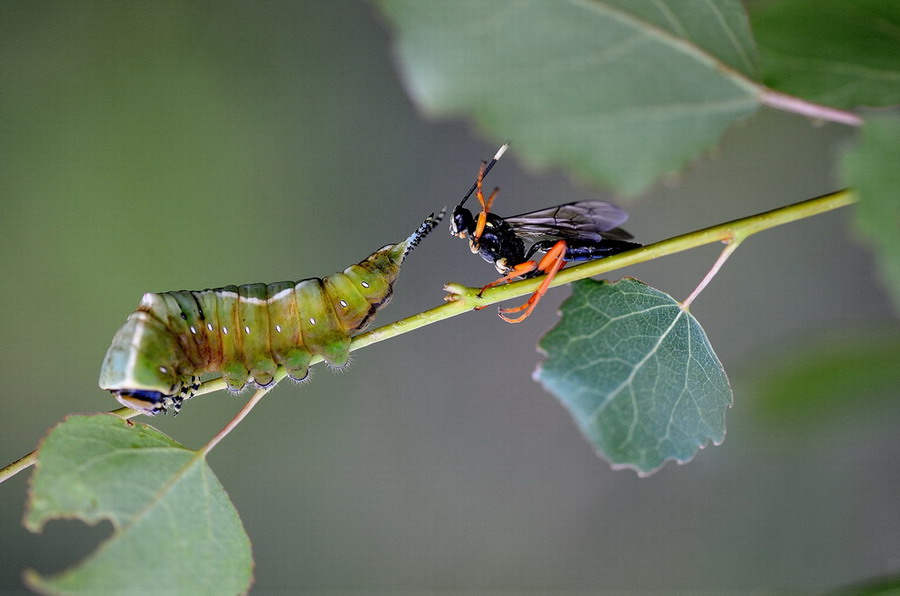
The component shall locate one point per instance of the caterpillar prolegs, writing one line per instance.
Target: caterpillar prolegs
(245, 332)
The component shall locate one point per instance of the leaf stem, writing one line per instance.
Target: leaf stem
(789, 103)
(464, 299)
(251, 403)
(731, 246)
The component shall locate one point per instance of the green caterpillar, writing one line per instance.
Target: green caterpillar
(245, 332)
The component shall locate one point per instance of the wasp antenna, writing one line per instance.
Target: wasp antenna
(487, 169)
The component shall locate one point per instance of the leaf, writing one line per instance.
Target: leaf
(637, 373)
(887, 584)
(174, 528)
(617, 91)
(842, 53)
(872, 169)
(807, 382)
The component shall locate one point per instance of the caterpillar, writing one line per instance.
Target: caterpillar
(245, 332)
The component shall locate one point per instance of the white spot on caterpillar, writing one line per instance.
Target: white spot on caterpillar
(278, 328)
(247, 330)
(209, 326)
(164, 370)
(343, 303)
(225, 330)
(312, 321)
(364, 284)
(193, 330)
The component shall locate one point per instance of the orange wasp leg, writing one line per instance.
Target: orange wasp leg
(517, 271)
(550, 264)
(485, 207)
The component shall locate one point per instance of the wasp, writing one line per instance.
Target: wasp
(579, 231)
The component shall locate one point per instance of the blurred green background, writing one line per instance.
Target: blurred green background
(159, 146)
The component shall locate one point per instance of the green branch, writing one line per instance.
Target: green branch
(738, 230)
(463, 299)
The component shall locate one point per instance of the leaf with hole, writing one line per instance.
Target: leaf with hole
(637, 373)
(174, 528)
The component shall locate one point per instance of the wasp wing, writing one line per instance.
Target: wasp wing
(585, 220)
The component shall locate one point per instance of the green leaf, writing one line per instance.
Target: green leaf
(872, 169)
(805, 383)
(174, 528)
(637, 373)
(842, 53)
(888, 585)
(616, 91)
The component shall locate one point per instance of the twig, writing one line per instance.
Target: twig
(464, 299)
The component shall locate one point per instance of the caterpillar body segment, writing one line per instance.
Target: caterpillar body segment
(245, 332)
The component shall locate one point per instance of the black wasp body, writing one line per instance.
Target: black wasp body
(498, 244)
(580, 231)
(503, 240)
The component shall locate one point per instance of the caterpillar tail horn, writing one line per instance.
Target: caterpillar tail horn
(423, 230)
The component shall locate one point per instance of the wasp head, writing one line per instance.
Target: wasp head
(462, 222)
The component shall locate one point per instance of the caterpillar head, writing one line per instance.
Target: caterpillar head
(141, 367)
